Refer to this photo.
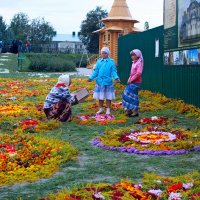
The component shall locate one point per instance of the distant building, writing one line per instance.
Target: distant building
(190, 25)
(68, 43)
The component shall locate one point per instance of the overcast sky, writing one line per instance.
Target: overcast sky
(66, 15)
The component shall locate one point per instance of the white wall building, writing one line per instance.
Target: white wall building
(69, 43)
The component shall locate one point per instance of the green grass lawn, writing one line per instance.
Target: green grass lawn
(99, 165)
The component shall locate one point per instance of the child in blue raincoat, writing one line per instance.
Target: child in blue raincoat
(104, 72)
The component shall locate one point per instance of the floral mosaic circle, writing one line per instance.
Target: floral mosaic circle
(149, 141)
(152, 187)
(27, 158)
(154, 137)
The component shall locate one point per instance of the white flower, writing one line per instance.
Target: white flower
(174, 196)
(158, 181)
(187, 186)
(154, 118)
(11, 154)
(99, 195)
(139, 186)
(13, 98)
(156, 192)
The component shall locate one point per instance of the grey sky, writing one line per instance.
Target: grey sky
(66, 15)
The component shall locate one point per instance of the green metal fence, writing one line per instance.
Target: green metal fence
(179, 82)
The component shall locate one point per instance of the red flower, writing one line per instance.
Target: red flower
(29, 122)
(175, 187)
(124, 138)
(195, 196)
(73, 197)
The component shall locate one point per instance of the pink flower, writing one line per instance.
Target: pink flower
(139, 186)
(157, 193)
(187, 186)
(99, 196)
(174, 196)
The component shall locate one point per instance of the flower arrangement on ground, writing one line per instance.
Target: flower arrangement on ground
(156, 120)
(26, 157)
(152, 187)
(100, 119)
(149, 140)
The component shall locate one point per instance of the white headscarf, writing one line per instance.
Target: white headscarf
(138, 53)
(105, 49)
(64, 78)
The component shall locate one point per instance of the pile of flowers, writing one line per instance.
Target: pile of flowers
(149, 106)
(27, 158)
(163, 102)
(116, 105)
(28, 124)
(11, 109)
(156, 120)
(152, 187)
(21, 90)
(149, 141)
(99, 119)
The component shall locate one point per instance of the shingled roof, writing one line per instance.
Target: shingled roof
(119, 11)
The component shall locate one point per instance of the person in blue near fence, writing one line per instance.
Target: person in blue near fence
(58, 102)
(104, 71)
(1, 46)
(130, 100)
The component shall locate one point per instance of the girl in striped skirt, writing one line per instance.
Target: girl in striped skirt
(130, 100)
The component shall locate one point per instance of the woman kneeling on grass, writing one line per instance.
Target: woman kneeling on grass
(58, 102)
(130, 100)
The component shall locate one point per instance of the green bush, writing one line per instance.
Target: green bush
(55, 62)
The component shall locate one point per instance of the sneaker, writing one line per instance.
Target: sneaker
(108, 111)
(129, 112)
(134, 115)
(100, 111)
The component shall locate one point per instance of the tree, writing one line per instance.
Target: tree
(2, 29)
(37, 30)
(92, 23)
(41, 31)
(146, 26)
(20, 26)
(10, 36)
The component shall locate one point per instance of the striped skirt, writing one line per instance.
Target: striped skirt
(130, 99)
(102, 92)
(60, 111)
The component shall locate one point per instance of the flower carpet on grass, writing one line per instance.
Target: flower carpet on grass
(152, 187)
(26, 157)
(149, 140)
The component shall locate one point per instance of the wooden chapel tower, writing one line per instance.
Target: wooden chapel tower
(119, 22)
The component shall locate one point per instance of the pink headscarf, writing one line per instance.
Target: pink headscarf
(138, 53)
